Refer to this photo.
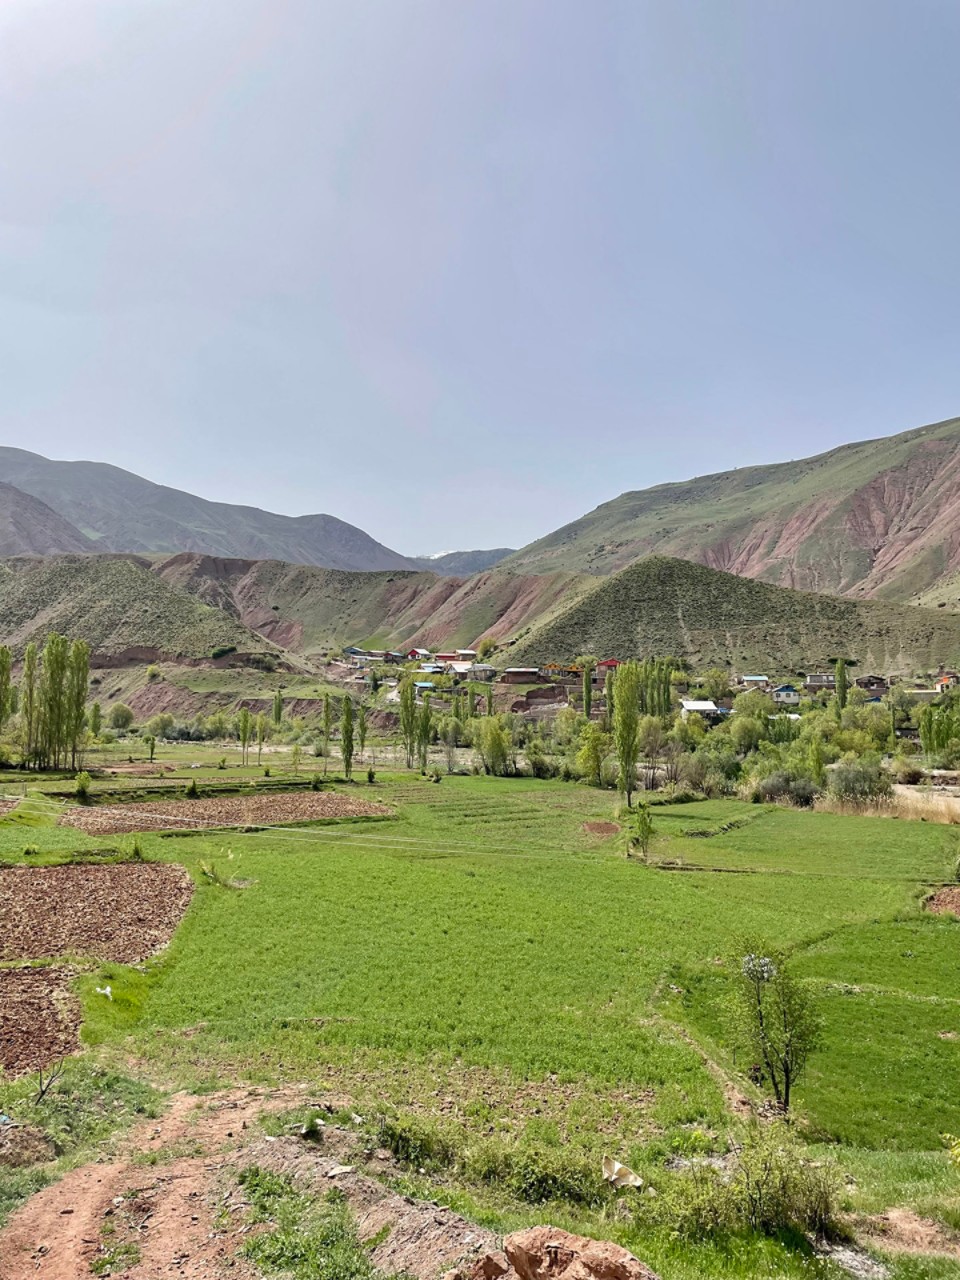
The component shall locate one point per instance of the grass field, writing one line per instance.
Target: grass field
(484, 966)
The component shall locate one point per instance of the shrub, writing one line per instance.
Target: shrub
(81, 787)
(771, 1187)
(153, 673)
(192, 789)
(316, 783)
(416, 1141)
(908, 774)
(30, 851)
(371, 776)
(536, 1173)
(222, 762)
(859, 781)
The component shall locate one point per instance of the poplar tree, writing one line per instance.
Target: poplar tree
(346, 736)
(6, 684)
(625, 720)
(588, 662)
(608, 695)
(28, 701)
(53, 701)
(408, 720)
(424, 731)
(78, 680)
(277, 708)
(261, 734)
(244, 731)
(96, 719)
(361, 728)
(327, 729)
(840, 680)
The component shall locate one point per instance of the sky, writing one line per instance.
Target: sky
(458, 271)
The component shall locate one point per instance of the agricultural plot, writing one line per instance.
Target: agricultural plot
(219, 811)
(124, 912)
(489, 969)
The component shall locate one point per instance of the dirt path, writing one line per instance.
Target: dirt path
(161, 1207)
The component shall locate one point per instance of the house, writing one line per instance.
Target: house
(820, 682)
(351, 651)
(923, 695)
(418, 655)
(458, 668)
(481, 671)
(466, 655)
(445, 657)
(561, 673)
(785, 695)
(946, 680)
(521, 675)
(872, 684)
(607, 664)
(424, 685)
(698, 706)
(431, 668)
(755, 682)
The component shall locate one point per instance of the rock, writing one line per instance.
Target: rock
(547, 1253)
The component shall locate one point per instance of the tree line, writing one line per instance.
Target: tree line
(49, 703)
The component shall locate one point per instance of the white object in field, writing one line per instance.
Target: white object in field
(105, 991)
(619, 1174)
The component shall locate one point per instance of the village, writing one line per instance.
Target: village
(544, 689)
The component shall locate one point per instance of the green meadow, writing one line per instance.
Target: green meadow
(483, 970)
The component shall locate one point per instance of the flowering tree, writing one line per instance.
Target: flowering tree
(777, 1016)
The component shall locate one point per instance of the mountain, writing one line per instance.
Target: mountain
(120, 511)
(29, 527)
(115, 603)
(662, 605)
(878, 518)
(311, 610)
(463, 563)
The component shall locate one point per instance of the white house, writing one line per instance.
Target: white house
(785, 695)
(702, 706)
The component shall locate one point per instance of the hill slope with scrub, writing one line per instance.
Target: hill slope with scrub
(663, 605)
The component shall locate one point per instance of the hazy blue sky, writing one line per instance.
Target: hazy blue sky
(459, 270)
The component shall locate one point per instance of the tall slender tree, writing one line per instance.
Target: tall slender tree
(608, 696)
(6, 684)
(244, 731)
(277, 708)
(626, 707)
(53, 701)
(408, 719)
(346, 736)
(262, 731)
(78, 681)
(424, 732)
(361, 728)
(28, 701)
(840, 682)
(96, 719)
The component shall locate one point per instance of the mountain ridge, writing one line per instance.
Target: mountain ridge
(878, 517)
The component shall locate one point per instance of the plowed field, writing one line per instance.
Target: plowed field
(39, 1018)
(217, 811)
(123, 913)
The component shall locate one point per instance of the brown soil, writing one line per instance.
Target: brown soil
(169, 1192)
(217, 811)
(945, 901)
(601, 828)
(123, 912)
(903, 1231)
(39, 1020)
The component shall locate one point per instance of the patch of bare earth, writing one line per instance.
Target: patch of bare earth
(39, 1020)
(218, 811)
(124, 912)
(903, 1231)
(945, 901)
(601, 828)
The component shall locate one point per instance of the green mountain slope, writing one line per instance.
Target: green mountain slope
(878, 518)
(114, 603)
(668, 606)
(120, 511)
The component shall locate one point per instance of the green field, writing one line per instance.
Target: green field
(484, 949)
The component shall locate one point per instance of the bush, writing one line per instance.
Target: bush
(416, 1141)
(153, 673)
(908, 774)
(536, 1173)
(192, 789)
(371, 776)
(81, 787)
(316, 783)
(222, 762)
(771, 1187)
(859, 781)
